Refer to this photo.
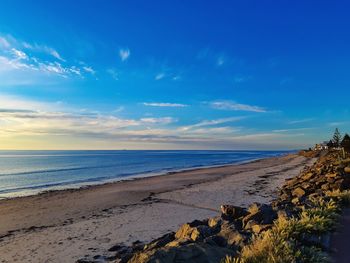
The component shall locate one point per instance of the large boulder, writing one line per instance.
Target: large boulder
(261, 214)
(195, 231)
(298, 192)
(232, 236)
(160, 242)
(190, 253)
(232, 212)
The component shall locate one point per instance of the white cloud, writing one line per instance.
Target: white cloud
(212, 122)
(8, 64)
(114, 73)
(300, 121)
(124, 54)
(159, 76)
(19, 54)
(231, 105)
(119, 109)
(55, 54)
(337, 123)
(292, 130)
(164, 120)
(44, 49)
(164, 104)
(21, 116)
(4, 43)
(89, 70)
(21, 63)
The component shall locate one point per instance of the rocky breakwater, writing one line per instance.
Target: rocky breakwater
(330, 173)
(237, 228)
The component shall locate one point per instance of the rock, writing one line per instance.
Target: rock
(262, 214)
(325, 187)
(347, 169)
(295, 201)
(298, 192)
(331, 175)
(216, 240)
(199, 232)
(232, 212)
(307, 176)
(116, 247)
(231, 235)
(190, 253)
(178, 242)
(249, 225)
(214, 222)
(160, 242)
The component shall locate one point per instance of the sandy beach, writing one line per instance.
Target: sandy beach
(63, 226)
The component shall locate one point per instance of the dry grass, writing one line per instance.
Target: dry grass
(342, 197)
(254, 208)
(284, 242)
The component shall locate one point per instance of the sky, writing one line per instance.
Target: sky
(236, 75)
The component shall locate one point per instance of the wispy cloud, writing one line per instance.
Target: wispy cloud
(220, 61)
(44, 49)
(89, 70)
(293, 130)
(177, 77)
(124, 54)
(21, 61)
(337, 123)
(19, 54)
(241, 78)
(23, 116)
(301, 121)
(211, 123)
(164, 104)
(234, 106)
(159, 76)
(56, 124)
(163, 120)
(4, 43)
(114, 73)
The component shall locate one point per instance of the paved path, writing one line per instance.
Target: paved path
(340, 240)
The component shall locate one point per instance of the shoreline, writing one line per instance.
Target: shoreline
(86, 185)
(69, 224)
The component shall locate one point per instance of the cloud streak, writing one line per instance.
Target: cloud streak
(301, 121)
(211, 123)
(234, 106)
(21, 62)
(124, 54)
(165, 104)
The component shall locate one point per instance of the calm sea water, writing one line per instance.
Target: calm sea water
(30, 172)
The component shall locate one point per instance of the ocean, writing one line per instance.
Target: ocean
(31, 172)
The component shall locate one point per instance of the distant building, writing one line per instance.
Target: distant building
(321, 146)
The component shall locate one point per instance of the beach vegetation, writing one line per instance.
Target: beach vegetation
(341, 197)
(346, 143)
(293, 239)
(337, 138)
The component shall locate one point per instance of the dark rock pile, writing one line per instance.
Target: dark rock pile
(210, 240)
(330, 173)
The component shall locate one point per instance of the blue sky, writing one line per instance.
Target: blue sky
(172, 74)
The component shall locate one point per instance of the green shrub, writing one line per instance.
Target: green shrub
(284, 242)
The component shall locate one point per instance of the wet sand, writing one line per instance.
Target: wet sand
(63, 226)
